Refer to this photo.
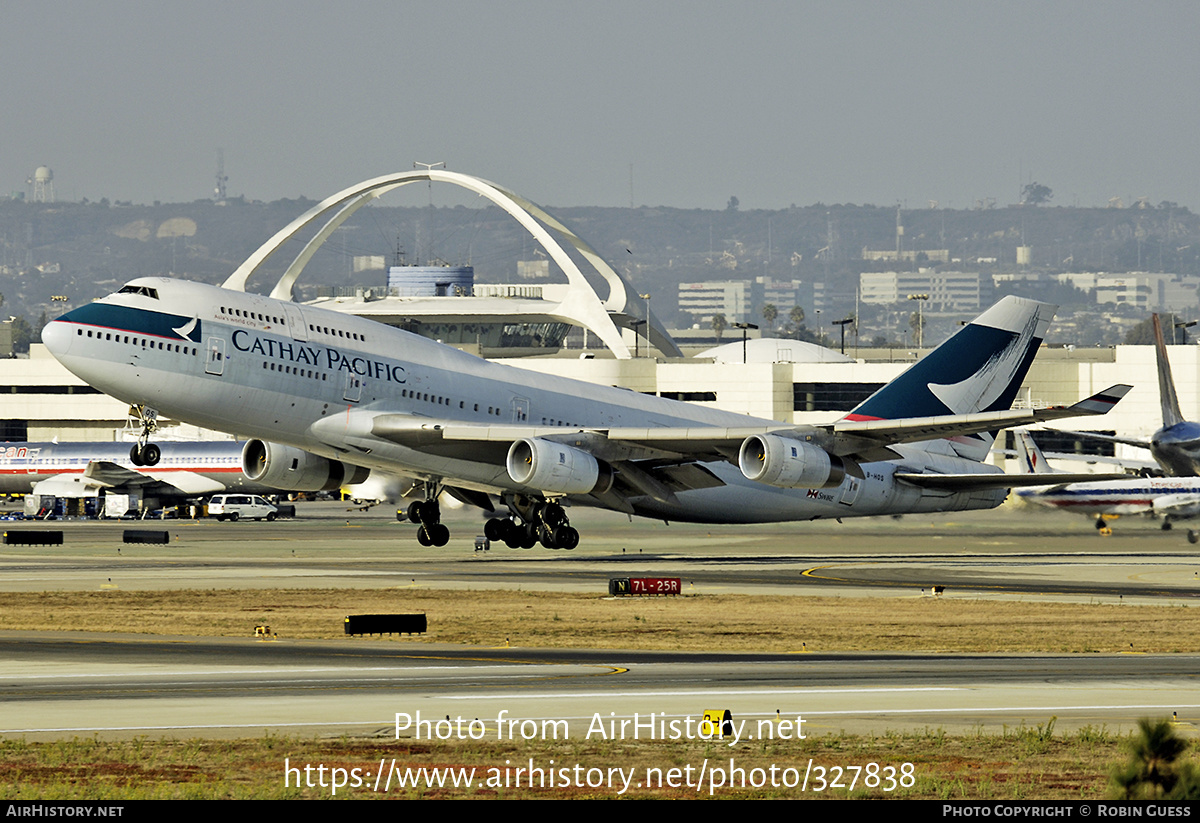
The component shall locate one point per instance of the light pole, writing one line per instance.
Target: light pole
(920, 298)
(843, 324)
(1181, 325)
(646, 297)
(636, 337)
(744, 327)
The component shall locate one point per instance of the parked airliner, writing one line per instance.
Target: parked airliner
(184, 470)
(1176, 445)
(1169, 498)
(328, 397)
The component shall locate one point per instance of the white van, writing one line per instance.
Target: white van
(235, 506)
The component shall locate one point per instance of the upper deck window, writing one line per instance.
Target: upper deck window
(145, 291)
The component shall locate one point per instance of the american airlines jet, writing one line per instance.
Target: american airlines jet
(328, 398)
(184, 470)
(1167, 498)
(1176, 445)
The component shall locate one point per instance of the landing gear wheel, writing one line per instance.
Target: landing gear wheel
(535, 520)
(553, 515)
(494, 529)
(566, 537)
(145, 453)
(1193, 536)
(1166, 525)
(429, 514)
(528, 535)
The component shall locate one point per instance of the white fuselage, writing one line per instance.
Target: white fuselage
(314, 379)
(1139, 495)
(24, 465)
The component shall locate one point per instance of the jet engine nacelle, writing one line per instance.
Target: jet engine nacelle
(788, 463)
(554, 467)
(292, 469)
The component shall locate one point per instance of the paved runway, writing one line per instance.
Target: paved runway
(56, 685)
(62, 685)
(993, 554)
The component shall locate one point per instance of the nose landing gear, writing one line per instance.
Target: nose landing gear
(143, 452)
(428, 513)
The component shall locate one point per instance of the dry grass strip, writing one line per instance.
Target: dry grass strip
(552, 619)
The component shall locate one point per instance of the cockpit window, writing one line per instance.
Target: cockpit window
(145, 291)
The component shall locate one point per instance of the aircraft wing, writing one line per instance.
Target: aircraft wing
(1177, 505)
(845, 438)
(99, 475)
(1144, 468)
(860, 440)
(108, 475)
(1108, 438)
(659, 461)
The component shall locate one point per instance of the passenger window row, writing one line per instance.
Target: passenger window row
(309, 373)
(253, 315)
(279, 321)
(334, 332)
(144, 342)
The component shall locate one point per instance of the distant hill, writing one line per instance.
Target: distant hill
(84, 250)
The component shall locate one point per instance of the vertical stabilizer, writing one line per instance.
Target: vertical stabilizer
(1030, 459)
(979, 369)
(1166, 385)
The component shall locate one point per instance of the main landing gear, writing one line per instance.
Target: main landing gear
(532, 522)
(1192, 535)
(143, 452)
(429, 514)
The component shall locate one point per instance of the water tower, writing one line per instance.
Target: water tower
(43, 185)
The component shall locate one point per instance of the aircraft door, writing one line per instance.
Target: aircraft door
(353, 388)
(295, 320)
(850, 491)
(520, 410)
(214, 362)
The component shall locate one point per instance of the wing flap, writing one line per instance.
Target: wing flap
(112, 475)
(108, 474)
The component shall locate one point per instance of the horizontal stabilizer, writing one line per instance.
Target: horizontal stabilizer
(915, 429)
(999, 480)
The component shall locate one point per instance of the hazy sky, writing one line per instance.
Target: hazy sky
(774, 102)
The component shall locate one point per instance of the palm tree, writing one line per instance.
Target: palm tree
(796, 315)
(719, 324)
(769, 314)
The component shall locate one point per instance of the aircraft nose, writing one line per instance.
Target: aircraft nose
(57, 336)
